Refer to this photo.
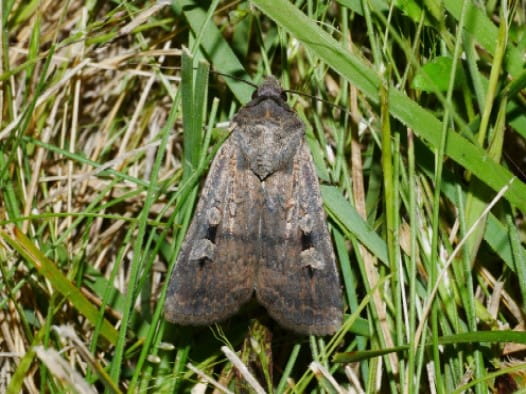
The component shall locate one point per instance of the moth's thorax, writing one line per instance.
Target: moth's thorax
(268, 134)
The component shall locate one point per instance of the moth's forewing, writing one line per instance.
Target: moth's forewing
(297, 280)
(214, 273)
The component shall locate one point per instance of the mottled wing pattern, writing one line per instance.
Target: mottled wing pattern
(297, 280)
(214, 273)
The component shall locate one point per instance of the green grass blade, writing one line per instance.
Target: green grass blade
(58, 280)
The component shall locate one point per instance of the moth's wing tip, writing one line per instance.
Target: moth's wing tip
(321, 323)
(327, 328)
(170, 312)
(177, 311)
(190, 319)
(331, 326)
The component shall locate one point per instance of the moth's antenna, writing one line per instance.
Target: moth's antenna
(255, 85)
(235, 78)
(340, 107)
(213, 72)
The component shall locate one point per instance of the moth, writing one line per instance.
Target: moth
(259, 228)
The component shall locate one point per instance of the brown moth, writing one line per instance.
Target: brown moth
(259, 228)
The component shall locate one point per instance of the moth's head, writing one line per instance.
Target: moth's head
(270, 88)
